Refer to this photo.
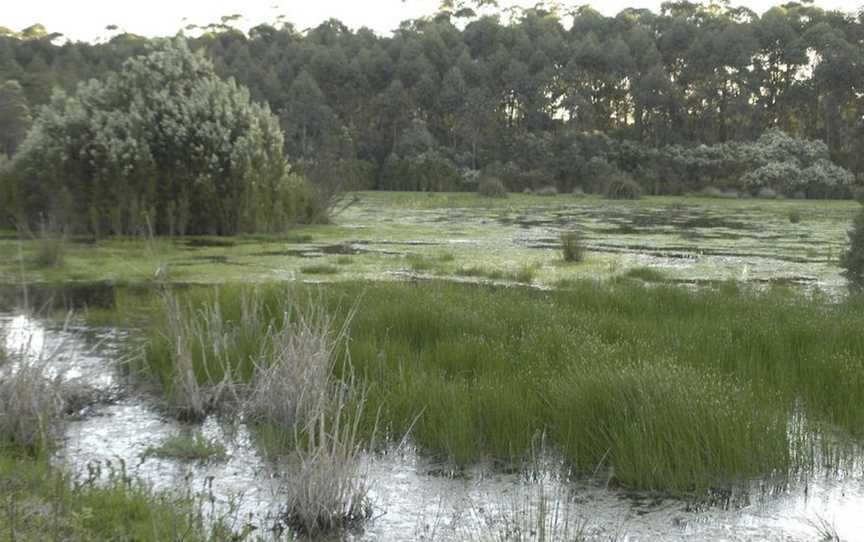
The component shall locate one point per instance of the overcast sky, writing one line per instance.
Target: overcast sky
(87, 19)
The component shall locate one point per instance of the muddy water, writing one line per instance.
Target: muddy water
(412, 500)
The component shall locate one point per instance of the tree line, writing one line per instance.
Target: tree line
(690, 97)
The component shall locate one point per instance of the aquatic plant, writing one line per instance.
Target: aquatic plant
(188, 446)
(571, 247)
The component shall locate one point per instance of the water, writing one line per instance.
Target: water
(412, 500)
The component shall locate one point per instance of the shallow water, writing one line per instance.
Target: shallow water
(412, 499)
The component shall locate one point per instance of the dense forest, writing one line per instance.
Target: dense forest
(695, 97)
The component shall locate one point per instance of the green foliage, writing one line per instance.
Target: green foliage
(498, 89)
(852, 260)
(161, 144)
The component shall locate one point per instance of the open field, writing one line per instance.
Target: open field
(467, 237)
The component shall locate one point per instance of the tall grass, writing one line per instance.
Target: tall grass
(31, 404)
(657, 387)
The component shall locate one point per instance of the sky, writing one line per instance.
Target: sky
(86, 19)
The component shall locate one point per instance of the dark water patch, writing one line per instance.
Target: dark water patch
(201, 260)
(67, 296)
(297, 253)
(410, 243)
(713, 222)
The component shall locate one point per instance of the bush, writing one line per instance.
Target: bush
(491, 187)
(794, 216)
(164, 142)
(622, 186)
(571, 247)
(852, 260)
(547, 191)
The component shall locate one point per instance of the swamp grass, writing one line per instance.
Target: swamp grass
(656, 387)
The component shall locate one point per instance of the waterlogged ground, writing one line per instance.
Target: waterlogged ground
(466, 237)
(413, 498)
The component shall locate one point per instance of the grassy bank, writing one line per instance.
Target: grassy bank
(656, 387)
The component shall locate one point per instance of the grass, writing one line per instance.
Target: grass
(645, 274)
(189, 446)
(39, 503)
(660, 388)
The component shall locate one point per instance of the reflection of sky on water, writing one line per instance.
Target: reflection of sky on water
(23, 336)
(411, 500)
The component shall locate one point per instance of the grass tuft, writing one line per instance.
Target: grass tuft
(571, 247)
(189, 446)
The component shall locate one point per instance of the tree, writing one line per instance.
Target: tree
(14, 117)
(163, 143)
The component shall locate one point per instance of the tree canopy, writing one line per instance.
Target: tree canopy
(545, 93)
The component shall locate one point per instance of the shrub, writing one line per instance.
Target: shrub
(578, 192)
(491, 187)
(547, 191)
(163, 138)
(622, 186)
(852, 260)
(571, 247)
